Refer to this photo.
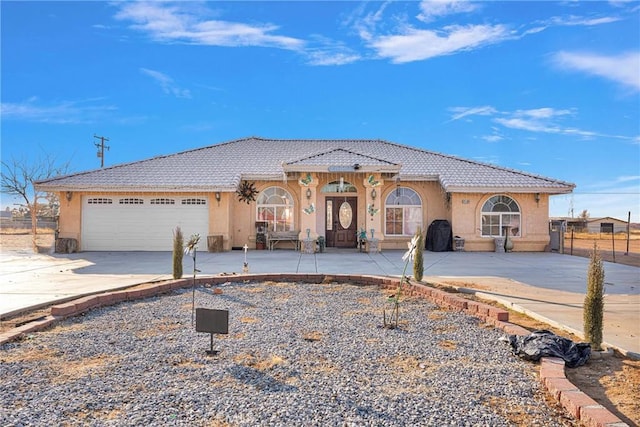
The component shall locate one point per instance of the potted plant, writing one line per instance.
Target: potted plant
(261, 237)
(261, 241)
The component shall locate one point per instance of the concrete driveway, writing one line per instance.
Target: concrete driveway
(547, 286)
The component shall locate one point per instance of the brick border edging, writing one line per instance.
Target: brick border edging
(575, 402)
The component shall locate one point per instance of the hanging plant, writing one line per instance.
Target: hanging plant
(247, 192)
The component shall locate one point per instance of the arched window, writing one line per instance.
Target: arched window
(403, 212)
(500, 213)
(339, 187)
(275, 206)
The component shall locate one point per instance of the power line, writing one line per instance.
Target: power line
(101, 147)
(634, 194)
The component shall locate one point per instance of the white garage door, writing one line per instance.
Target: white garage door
(115, 223)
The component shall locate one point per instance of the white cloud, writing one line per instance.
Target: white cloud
(543, 113)
(166, 83)
(330, 52)
(573, 20)
(62, 112)
(366, 26)
(539, 120)
(492, 138)
(625, 179)
(460, 112)
(623, 69)
(569, 21)
(178, 23)
(323, 57)
(417, 45)
(433, 9)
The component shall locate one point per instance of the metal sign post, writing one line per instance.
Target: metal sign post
(192, 249)
(212, 321)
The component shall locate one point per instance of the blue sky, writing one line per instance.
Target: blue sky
(548, 88)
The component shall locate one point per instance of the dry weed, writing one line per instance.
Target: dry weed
(313, 336)
(448, 344)
(252, 361)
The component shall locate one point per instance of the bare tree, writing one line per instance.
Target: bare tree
(584, 214)
(19, 177)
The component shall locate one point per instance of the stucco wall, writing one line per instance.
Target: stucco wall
(466, 221)
(235, 220)
(70, 216)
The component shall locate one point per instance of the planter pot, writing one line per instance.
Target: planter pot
(508, 244)
(261, 245)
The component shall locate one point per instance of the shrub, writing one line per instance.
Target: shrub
(418, 261)
(178, 248)
(594, 301)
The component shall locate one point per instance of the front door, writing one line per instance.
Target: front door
(342, 221)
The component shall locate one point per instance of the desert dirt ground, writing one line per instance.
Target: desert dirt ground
(613, 381)
(582, 245)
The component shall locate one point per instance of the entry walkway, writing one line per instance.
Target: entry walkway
(546, 286)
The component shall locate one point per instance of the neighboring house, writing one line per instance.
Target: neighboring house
(606, 224)
(332, 188)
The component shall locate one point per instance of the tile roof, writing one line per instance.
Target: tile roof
(341, 157)
(221, 167)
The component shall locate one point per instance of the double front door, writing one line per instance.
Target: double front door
(341, 221)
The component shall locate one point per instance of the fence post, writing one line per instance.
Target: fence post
(613, 245)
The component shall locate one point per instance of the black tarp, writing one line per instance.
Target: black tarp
(544, 343)
(439, 236)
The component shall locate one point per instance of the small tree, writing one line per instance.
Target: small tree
(418, 261)
(178, 252)
(19, 177)
(594, 301)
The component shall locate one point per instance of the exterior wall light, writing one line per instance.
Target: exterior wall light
(374, 194)
(217, 195)
(537, 198)
(308, 194)
(69, 195)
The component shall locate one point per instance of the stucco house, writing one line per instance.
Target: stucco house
(328, 188)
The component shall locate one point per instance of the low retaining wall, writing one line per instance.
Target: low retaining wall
(575, 402)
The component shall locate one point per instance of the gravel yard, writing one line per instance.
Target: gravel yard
(296, 354)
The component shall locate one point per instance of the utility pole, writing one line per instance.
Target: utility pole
(101, 148)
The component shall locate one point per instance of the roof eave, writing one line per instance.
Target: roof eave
(506, 189)
(137, 189)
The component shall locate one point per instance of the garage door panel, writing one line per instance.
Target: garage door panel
(141, 225)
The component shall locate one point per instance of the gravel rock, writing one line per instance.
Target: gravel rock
(296, 354)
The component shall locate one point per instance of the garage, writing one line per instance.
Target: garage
(119, 223)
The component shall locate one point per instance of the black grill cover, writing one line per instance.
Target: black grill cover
(439, 236)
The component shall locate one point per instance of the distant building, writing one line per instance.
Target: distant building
(606, 224)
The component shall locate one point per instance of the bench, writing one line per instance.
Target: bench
(274, 237)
